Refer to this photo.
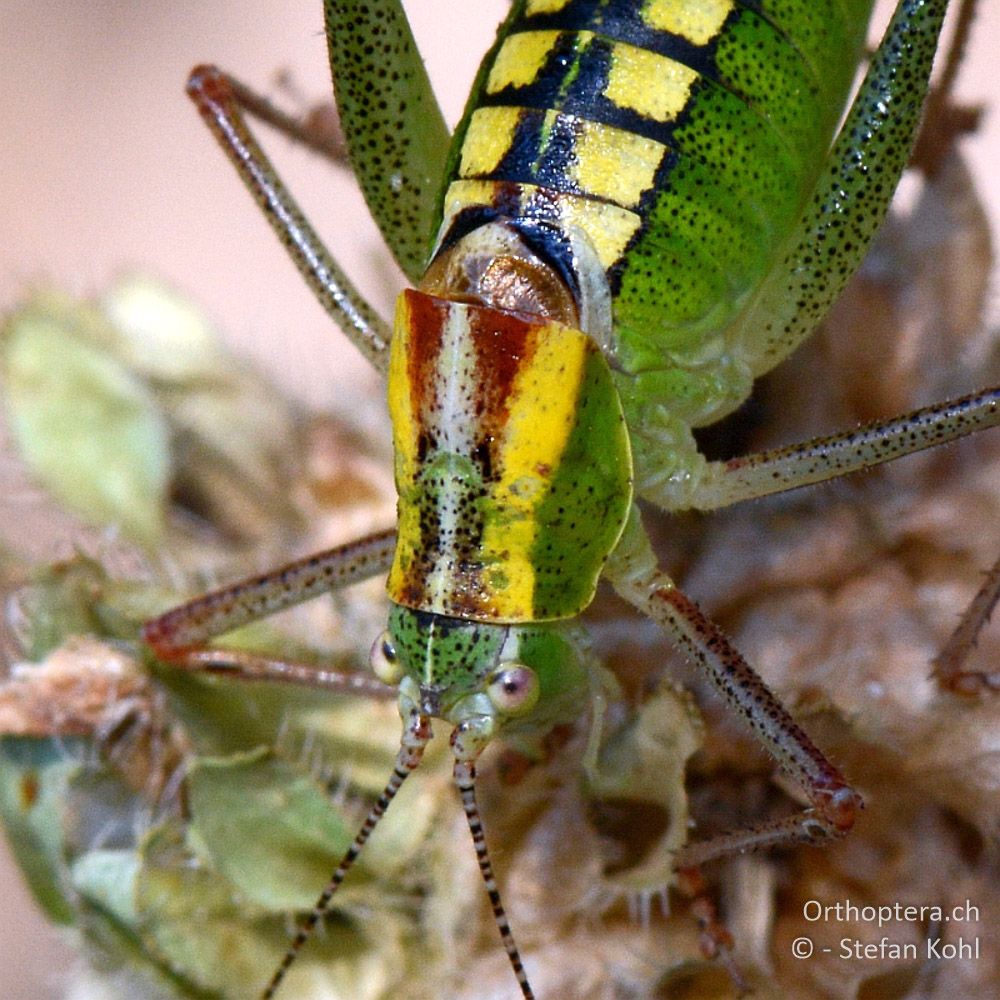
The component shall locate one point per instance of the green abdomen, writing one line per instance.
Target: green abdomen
(682, 137)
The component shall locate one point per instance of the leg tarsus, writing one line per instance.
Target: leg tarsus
(714, 939)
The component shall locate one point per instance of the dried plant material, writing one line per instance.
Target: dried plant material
(84, 687)
(174, 820)
(842, 596)
(137, 385)
(72, 408)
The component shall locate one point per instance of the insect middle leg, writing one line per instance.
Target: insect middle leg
(763, 473)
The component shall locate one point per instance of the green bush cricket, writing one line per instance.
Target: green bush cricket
(645, 207)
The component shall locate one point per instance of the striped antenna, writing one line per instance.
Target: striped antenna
(416, 736)
(465, 779)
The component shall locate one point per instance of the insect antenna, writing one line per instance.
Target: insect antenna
(465, 780)
(416, 736)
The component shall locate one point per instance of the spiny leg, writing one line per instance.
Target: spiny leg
(467, 744)
(852, 192)
(416, 735)
(218, 99)
(825, 458)
(179, 636)
(633, 572)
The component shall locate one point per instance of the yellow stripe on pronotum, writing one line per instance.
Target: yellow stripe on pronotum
(543, 406)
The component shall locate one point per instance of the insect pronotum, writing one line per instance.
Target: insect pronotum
(645, 206)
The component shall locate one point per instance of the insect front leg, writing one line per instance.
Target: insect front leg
(834, 805)
(219, 100)
(179, 636)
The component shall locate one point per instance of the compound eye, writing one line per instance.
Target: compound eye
(385, 661)
(513, 688)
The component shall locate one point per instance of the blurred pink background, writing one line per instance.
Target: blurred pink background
(105, 165)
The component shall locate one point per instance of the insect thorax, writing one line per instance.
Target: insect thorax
(506, 510)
